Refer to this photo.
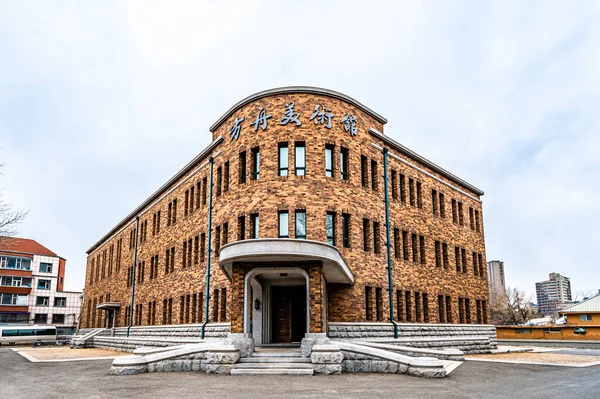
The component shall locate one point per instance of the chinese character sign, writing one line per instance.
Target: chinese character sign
(261, 119)
(289, 115)
(349, 123)
(321, 115)
(235, 129)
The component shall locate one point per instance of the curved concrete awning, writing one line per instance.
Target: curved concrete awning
(335, 268)
(108, 305)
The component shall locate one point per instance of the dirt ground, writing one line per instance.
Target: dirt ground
(65, 353)
(548, 358)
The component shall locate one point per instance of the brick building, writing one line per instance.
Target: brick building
(298, 230)
(32, 286)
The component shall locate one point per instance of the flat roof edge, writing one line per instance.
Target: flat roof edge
(295, 89)
(438, 169)
(203, 154)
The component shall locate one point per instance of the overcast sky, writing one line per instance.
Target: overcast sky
(102, 102)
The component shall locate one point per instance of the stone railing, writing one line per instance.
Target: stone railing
(469, 338)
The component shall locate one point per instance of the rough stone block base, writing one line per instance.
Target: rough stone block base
(426, 372)
(310, 340)
(128, 370)
(242, 343)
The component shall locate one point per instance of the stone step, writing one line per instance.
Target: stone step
(273, 366)
(275, 354)
(274, 360)
(237, 371)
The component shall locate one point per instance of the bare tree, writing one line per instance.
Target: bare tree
(9, 218)
(512, 307)
(580, 295)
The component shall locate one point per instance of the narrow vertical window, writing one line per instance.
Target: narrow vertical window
(415, 248)
(225, 177)
(442, 206)
(374, 179)
(419, 196)
(346, 230)
(225, 233)
(364, 165)
(283, 159)
(438, 254)
(255, 221)
(283, 224)
(445, 255)
(405, 251)
(204, 190)
(330, 227)
(186, 205)
(300, 224)
(411, 191)
(365, 234)
(344, 163)
(219, 180)
(202, 247)
(461, 219)
(217, 238)
(402, 188)
(300, 158)
(394, 185)
(471, 219)
(241, 228)
(434, 202)
(477, 226)
(379, 303)
(376, 238)
(454, 212)
(242, 167)
(329, 160)
(397, 252)
(256, 163)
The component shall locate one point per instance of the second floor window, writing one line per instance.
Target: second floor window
(242, 171)
(300, 159)
(44, 284)
(284, 224)
(344, 163)
(60, 302)
(329, 160)
(301, 224)
(346, 230)
(45, 267)
(256, 163)
(283, 159)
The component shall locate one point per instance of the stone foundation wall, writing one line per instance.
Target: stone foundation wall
(219, 330)
(470, 338)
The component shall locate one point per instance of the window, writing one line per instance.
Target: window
(217, 239)
(202, 247)
(461, 219)
(13, 299)
(330, 227)
(397, 248)
(346, 230)
(225, 233)
(445, 255)
(477, 226)
(442, 206)
(471, 218)
(523, 330)
(301, 224)
(374, 179)
(172, 214)
(379, 303)
(225, 177)
(254, 220)
(405, 251)
(8, 262)
(42, 301)
(422, 249)
(454, 212)
(364, 164)
(415, 248)
(58, 319)
(411, 192)
(256, 163)
(40, 318)
(344, 163)
(434, 202)
(242, 167)
(219, 180)
(44, 284)
(376, 238)
(300, 158)
(368, 303)
(329, 160)
(283, 159)
(8, 281)
(585, 317)
(283, 224)
(402, 188)
(204, 190)
(419, 196)
(394, 185)
(241, 228)
(45, 267)
(365, 234)
(438, 254)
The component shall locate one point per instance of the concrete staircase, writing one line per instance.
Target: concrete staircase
(274, 363)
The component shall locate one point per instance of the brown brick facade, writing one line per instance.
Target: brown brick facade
(418, 221)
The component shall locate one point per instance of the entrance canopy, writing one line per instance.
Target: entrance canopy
(109, 305)
(335, 269)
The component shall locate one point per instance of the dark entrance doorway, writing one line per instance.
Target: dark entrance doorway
(289, 314)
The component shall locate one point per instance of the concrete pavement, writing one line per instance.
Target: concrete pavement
(20, 378)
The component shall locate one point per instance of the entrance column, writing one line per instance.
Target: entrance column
(238, 274)
(315, 272)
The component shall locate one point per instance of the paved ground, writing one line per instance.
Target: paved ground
(65, 353)
(20, 378)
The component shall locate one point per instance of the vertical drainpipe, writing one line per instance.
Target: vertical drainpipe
(135, 251)
(389, 246)
(211, 161)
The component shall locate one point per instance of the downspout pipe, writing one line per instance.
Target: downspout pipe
(211, 161)
(389, 246)
(135, 253)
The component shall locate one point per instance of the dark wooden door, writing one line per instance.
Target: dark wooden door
(282, 315)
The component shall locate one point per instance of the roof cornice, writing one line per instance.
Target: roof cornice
(294, 90)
